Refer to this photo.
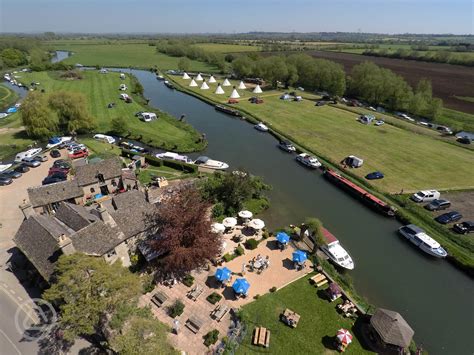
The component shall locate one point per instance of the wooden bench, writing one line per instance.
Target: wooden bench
(261, 337)
(194, 324)
(159, 298)
(196, 292)
(319, 280)
(220, 312)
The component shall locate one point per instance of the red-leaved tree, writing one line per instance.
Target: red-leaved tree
(184, 234)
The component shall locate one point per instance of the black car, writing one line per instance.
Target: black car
(55, 153)
(5, 180)
(22, 168)
(464, 227)
(464, 140)
(11, 174)
(449, 217)
(437, 205)
(51, 180)
(62, 164)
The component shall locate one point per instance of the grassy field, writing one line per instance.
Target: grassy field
(315, 331)
(137, 55)
(101, 89)
(7, 97)
(409, 161)
(227, 48)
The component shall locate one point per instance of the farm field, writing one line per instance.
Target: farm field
(447, 80)
(319, 322)
(102, 89)
(227, 48)
(123, 55)
(334, 133)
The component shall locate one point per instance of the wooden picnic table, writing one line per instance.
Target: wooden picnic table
(291, 318)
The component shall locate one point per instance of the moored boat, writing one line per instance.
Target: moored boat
(168, 84)
(55, 141)
(4, 167)
(228, 110)
(174, 156)
(336, 253)
(160, 77)
(287, 146)
(261, 127)
(210, 163)
(308, 160)
(418, 236)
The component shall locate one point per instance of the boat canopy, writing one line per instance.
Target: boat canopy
(202, 160)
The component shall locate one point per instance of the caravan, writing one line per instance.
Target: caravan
(104, 138)
(28, 154)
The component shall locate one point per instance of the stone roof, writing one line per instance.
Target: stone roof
(109, 168)
(57, 192)
(74, 216)
(37, 238)
(392, 328)
(97, 238)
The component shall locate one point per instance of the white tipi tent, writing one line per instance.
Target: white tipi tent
(193, 83)
(204, 86)
(235, 94)
(199, 77)
(212, 80)
(219, 90)
(226, 82)
(186, 76)
(257, 90)
(242, 86)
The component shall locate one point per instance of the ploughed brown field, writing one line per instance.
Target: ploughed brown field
(447, 80)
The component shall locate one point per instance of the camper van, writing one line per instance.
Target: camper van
(104, 138)
(354, 161)
(425, 196)
(123, 87)
(148, 116)
(28, 154)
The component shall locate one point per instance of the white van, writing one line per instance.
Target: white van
(123, 96)
(104, 138)
(425, 196)
(148, 116)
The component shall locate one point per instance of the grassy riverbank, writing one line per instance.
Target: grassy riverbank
(102, 89)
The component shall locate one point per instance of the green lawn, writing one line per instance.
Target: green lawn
(7, 97)
(409, 161)
(137, 55)
(317, 327)
(145, 175)
(227, 48)
(100, 149)
(101, 89)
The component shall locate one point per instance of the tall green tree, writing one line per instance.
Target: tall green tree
(40, 122)
(315, 228)
(72, 111)
(243, 66)
(13, 57)
(119, 125)
(87, 288)
(184, 64)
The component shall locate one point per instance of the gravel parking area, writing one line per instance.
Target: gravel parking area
(462, 202)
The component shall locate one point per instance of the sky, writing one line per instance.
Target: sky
(220, 16)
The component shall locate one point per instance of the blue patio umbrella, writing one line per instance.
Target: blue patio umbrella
(223, 274)
(299, 256)
(241, 286)
(283, 238)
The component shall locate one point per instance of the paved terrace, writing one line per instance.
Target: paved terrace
(279, 273)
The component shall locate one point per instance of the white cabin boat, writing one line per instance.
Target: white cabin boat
(28, 154)
(4, 167)
(308, 160)
(261, 127)
(417, 236)
(55, 141)
(206, 162)
(334, 250)
(174, 156)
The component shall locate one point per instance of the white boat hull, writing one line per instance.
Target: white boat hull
(4, 167)
(348, 265)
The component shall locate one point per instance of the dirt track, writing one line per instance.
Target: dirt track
(447, 80)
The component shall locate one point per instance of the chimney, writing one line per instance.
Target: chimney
(105, 216)
(65, 243)
(27, 209)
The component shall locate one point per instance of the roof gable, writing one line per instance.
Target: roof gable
(88, 174)
(57, 192)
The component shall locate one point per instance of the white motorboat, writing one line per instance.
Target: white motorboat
(418, 236)
(174, 156)
(261, 127)
(28, 154)
(55, 141)
(4, 167)
(334, 250)
(308, 160)
(160, 77)
(206, 162)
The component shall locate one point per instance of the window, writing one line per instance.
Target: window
(114, 183)
(111, 253)
(101, 178)
(92, 190)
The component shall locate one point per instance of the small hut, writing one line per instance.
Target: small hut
(392, 328)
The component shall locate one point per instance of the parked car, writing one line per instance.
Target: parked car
(437, 205)
(51, 180)
(425, 196)
(55, 153)
(300, 88)
(57, 170)
(78, 154)
(464, 227)
(464, 140)
(448, 217)
(61, 163)
(444, 129)
(41, 158)
(5, 180)
(31, 162)
(320, 103)
(12, 174)
(374, 176)
(256, 100)
(22, 168)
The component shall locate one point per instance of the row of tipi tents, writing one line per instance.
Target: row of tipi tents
(219, 89)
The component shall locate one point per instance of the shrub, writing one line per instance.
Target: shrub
(239, 251)
(251, 244)
(214, 297)
(218, 210)
(266, 235)
(148, 284)
(256, 297)
(211, 337)
(228, 257)
(273, 289)
(188, 280)
(176, 309)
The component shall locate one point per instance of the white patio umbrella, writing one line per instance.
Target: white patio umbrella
(256, 224)
(229, 222)
(245, 214)
(217, 228)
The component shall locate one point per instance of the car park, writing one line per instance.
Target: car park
(12, 174)
(448, 217)
(22, 168)
(31, 162)
(437, 205)
(464, 227)
(5, 180)
(55, 153)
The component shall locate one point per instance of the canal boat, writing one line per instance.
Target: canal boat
(228, 110)
(168, 84)
(359, 192)
(336, 253)
(174, 156)
(261, 127)
(286, 146)
(417, 236)
(206, 162)
(308, 161)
